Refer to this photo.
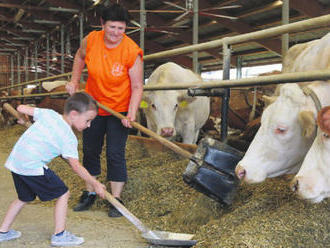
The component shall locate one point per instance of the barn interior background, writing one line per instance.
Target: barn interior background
(40, 37)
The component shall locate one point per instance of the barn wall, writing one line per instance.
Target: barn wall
(4, 70)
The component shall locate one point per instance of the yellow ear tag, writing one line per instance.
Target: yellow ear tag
(183, 104)
(143, 104)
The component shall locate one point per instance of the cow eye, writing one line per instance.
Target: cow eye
(153, 106)
(325, 135)
(280, 130)
(176, 106)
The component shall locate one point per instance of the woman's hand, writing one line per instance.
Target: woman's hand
(99, 189)
(71, 87)
(127, 121)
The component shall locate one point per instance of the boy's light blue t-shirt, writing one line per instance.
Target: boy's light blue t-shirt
(48, 137)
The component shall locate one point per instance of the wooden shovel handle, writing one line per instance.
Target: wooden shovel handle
(147, 131)
(122, 209)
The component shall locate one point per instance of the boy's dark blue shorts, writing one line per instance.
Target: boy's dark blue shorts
(46, 187)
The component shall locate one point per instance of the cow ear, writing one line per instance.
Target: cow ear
(268, 99)
(185, 99)
(183, 104)
(143, 104)
(307, 122)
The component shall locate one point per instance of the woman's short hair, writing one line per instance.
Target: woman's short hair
(115, 12)
(80, 102)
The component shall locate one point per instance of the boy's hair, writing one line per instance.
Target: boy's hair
(80, 102)
(115, 12)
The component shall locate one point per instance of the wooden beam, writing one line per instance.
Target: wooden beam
(29, 7)
(310, 8)
(63, 4)
(158, 21)
(9, 39)
(274, 5)
(242, 28)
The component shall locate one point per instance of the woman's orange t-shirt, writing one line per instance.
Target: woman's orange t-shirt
(108, 79)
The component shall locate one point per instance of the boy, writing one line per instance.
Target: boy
(50, 136)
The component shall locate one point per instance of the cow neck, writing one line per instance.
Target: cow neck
(309, 92)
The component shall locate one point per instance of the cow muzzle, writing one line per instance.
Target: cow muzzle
(305, 190)
(294, 185)
(167, 132)
(240, 172)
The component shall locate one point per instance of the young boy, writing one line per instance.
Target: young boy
(51, 135)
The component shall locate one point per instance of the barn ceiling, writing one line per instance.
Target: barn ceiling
(24, 23)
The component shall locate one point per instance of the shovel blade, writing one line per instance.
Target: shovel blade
(170, 239)
(220, 187)
(215, 176)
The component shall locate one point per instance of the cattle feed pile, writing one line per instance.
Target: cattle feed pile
(262, 215)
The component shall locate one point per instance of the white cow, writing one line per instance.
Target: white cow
(173, 112)
(288, 124)
(312, 182)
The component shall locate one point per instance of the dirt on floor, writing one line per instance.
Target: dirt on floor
(262, 215)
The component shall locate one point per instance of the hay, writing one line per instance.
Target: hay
(263, 215)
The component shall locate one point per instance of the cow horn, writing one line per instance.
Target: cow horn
(268, 99)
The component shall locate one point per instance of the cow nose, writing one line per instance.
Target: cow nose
(240, 172)
(294, 184)
(166, 132)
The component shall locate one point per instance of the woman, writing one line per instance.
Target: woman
(114, 63)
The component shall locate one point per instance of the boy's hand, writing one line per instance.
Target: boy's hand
(100, 189)
(21, 121)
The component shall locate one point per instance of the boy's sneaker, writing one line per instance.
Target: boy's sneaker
(85, 202)
(113, 212)
(11, 234)
(66, 239)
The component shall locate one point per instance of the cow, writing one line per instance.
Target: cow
(56, 104)
(2, 119)
(312, 181)
(50, 85)
(173, 112)
(8, 119)
(288, 124)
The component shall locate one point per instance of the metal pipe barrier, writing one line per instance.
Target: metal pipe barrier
(292, 77)
(35, 81)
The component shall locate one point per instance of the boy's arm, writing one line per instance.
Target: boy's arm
(25, 109)
(84, 174)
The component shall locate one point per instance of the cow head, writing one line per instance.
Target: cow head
(313, 179)
(284, 137)
(161, 107)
